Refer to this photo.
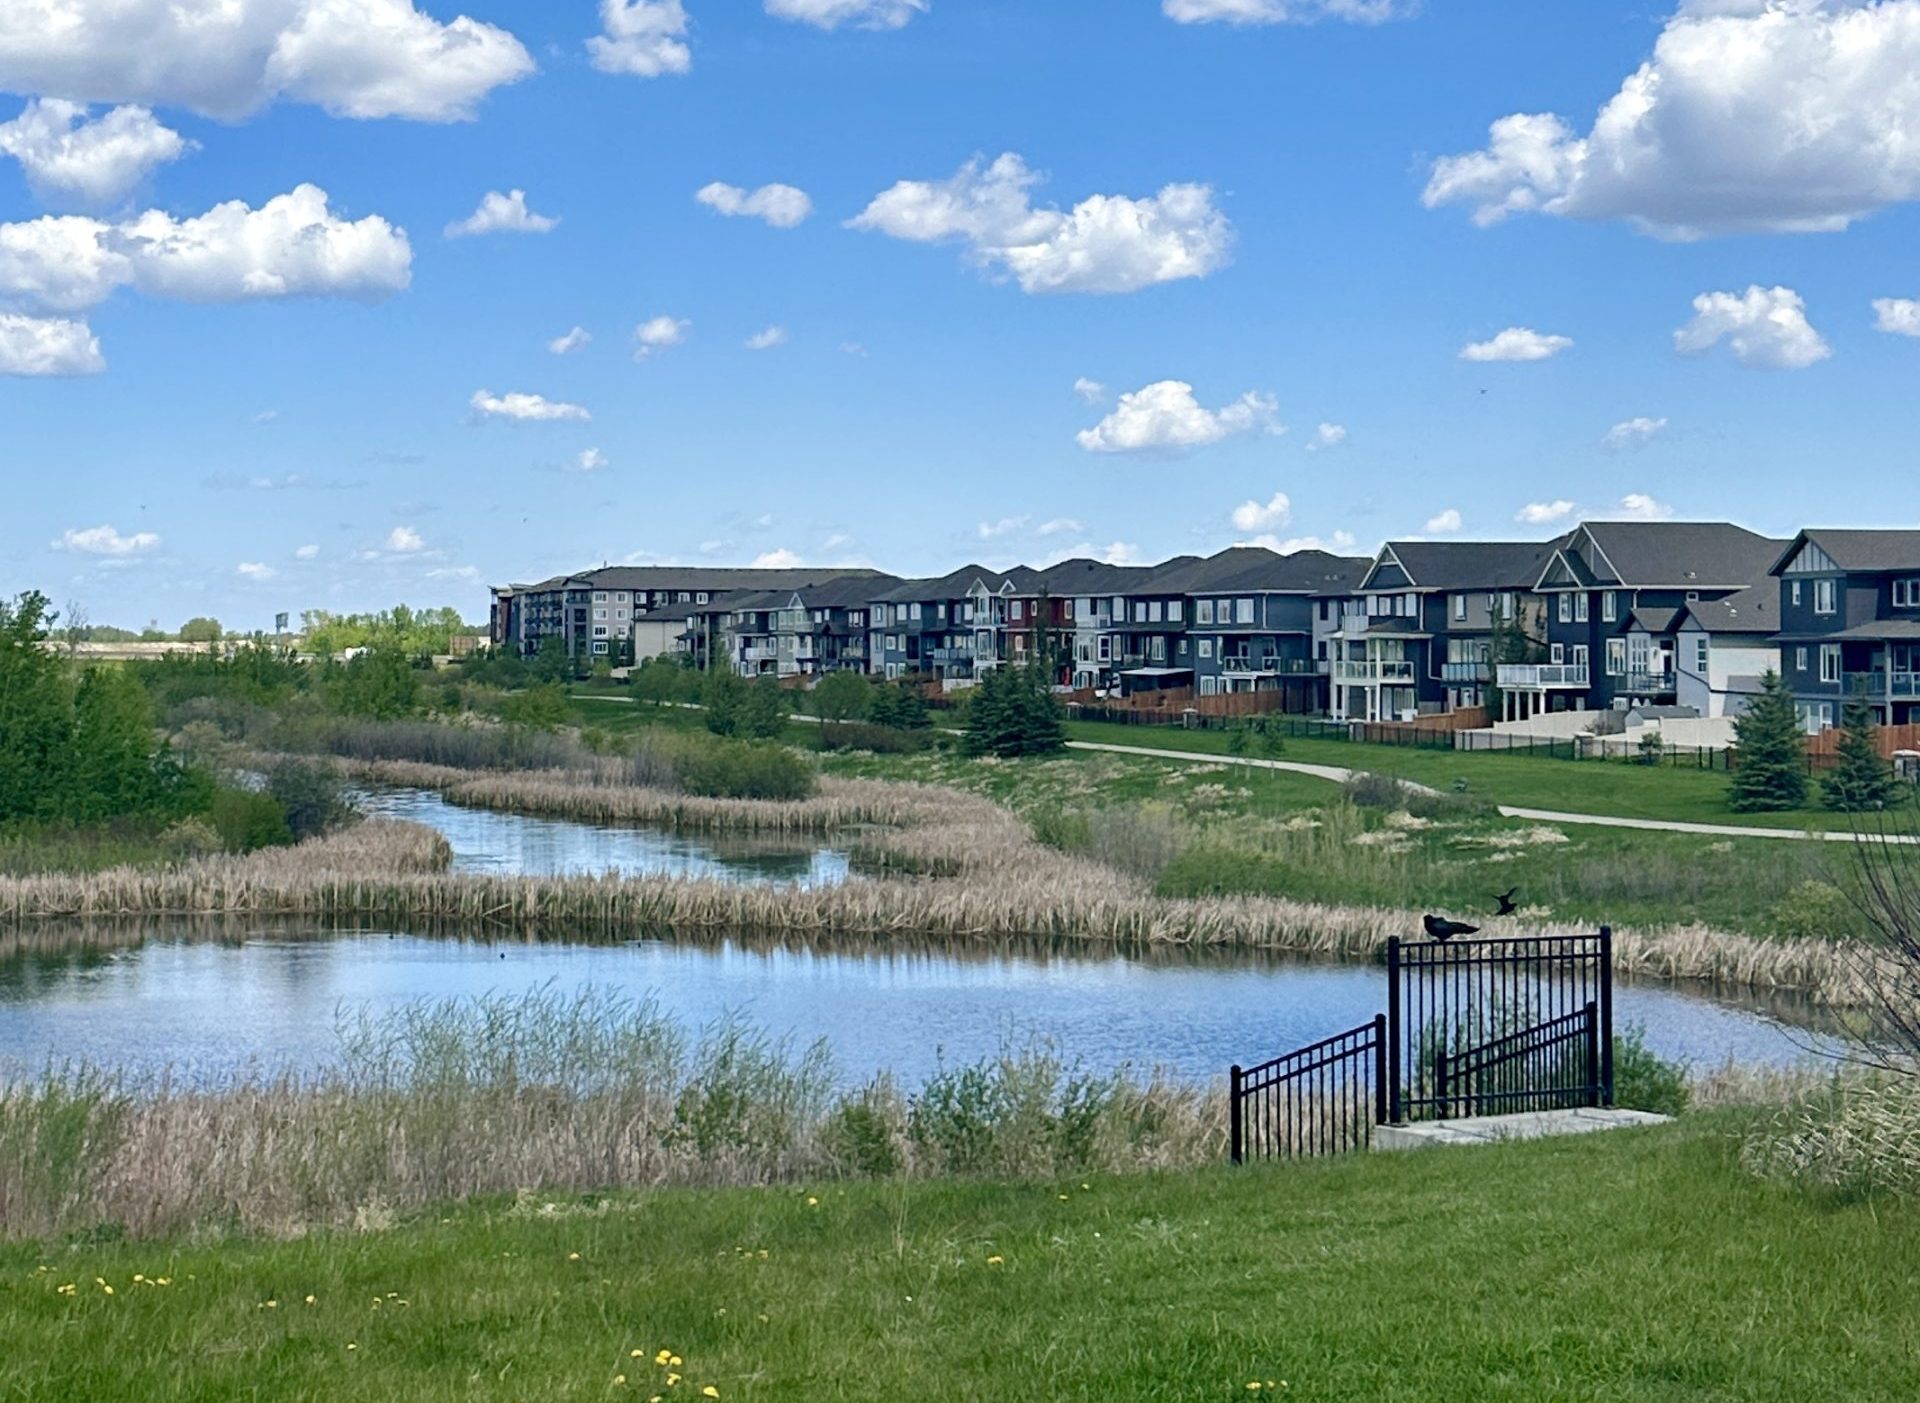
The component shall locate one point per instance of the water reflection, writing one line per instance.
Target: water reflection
(270, 997)
(516, 844)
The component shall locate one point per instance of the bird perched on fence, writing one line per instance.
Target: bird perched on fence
(1505, 898)
(1440, 928)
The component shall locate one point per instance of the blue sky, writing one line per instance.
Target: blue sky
(315, 423)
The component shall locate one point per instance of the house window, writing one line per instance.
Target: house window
(913, 613)
(1018, 611)
(1153, 612)
(1616, 657)
(599, 613)
(1582, 657)
(600, 597)
(1245, 607)
(1701, 651)
(1176, 609)
(1829, 662)
(1066, 610)
(1580, 606)
(599, 630)
(1609, 607)
(1906, 594)
(1206, 647)
(1566, 608)
(1800, 659)
(1106, 648)
(1824, 596)
(1203, 611)
(1796, 594)
(1460, 608)
(1559, 654)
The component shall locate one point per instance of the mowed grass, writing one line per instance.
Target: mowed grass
(1641, 1265)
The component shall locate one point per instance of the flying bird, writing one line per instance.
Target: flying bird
(1440, 928)
(1507, 908)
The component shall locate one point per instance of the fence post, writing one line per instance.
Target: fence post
(1596, 1059)
(1393, 1029)
(1606, 1015)
(1235, 1133)
(1440, 1078)
(1379, 1069)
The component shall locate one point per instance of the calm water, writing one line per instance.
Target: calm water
(208, 1009)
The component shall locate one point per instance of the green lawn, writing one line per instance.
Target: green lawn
(1523, 781)
(1635, 1266)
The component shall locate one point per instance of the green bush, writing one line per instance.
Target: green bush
(859, 1132)
(538, 708)
(881, 740)
(742, 770)
(311, 797)
(247, 819)
(899, 706)
(1815, 911)
(1643, 1081)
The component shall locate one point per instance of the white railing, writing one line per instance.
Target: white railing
(1369, 673)
(1542, 677)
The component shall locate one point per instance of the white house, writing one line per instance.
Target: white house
(1725, 646)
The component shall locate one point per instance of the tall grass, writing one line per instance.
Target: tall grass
(550, 1093)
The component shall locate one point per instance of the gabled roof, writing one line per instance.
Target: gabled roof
(1869, 551)
(853, 593)
(1255, 569)
(1084, 576)
(695, 579)
(1653, 618)
(1755, 609)
(1670, 554)
(1465, 565)
(953, 585)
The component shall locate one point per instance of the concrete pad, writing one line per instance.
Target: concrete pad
(1524, 1125)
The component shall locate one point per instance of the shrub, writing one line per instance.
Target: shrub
(1643, 1081)
(881, 740)
(1856, 1139)
(1371, 791)
(245, 819)
(861, 1133)
(1815, 911)
(310, 796)
(1062, 829)
(539, 708)
(743, 770)
(900, 706)
(1143, 838)
(1013, 712)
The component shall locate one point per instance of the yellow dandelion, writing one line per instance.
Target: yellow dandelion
(673, 1380)
(108, 1289)
(812, 1202)
(637, 1354)
(1063, 1198)
(996, 1261)
(352, 1345)
(709, 1392)
(662, 1357)
(138, 1277)
(619, 1380)
(310, 1300)
(573, 1256)
(675, 1361)
(163, 1281)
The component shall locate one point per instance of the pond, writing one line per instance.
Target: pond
(165, 995)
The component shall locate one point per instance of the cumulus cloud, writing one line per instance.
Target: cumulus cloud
(591, 460)
(781, 559)
(1766, 328)
(1165, 417)
(1786, 116)
(1005, 526)
(1544, 513)
(255, 570)
(1899, 316)
(574, 340)
(1630, 434)
(1090, 391)
(1268, 516)
(782, 206)
(51, 346)
(404, 540)
(307, 553)
(642, 38)
(658, 333)
(355, 58)
(525, 408)
(1445, 523)
(106, 541)
(1112, 553)
(1059, 526)
(864, 14)
(1325, 437)
(293, 245)
(90, 162)
(501, 214)
(1516, 343)
(1639, 506)
(1256, 12)
(1339, 543)
(1105, 244)
(767, 339)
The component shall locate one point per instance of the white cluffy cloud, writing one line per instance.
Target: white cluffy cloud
(1339, 543)
(1516, 343)
(866, 14)
(404, 540)
(1090, 391)
(574, 340)
(767, 339)
(525, 408)
(1247, 12)
(1105, 244)
(1766, 328)
(591, 460)
(1789, 116)
(1325, 437)
(1544, 513)
(501, 214)
(91, 162)
(255, 570)
(231, 58)
(52, 346)
(658, 333)
(293, 245)
(1165, 417)
(1638, 506)
(106, 541)
(782, 206)
(1445, 523)
(1271, 515)
(1899, 316)
(643, 38)
(781, 559)
(307, 553)
(1633, 433)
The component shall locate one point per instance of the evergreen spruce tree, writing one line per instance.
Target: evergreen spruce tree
(1770, 774)
(1860, 780)
(1014, 712)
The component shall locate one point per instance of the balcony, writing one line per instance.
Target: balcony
(1545, 677)
(1648, 684)
(1466, 672)
(1373, 674)
(1880, 684)
(1269, 666)
(949, 655)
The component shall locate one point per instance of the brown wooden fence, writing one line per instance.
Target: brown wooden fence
(1172, 701)
(1825, 747)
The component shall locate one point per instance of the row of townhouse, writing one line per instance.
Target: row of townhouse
(1610, 615)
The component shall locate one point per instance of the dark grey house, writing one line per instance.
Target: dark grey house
(1850, 622)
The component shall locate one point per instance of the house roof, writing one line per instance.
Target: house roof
(1257, 569)
(1755, 609)
(955, 584)
(1084, 576)
(1858, 550)
(695, 579)
(1468, 565)
(1673, 554)
(1653, 619)
(1881, 628)
(851, 593)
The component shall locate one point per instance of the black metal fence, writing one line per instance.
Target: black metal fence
(1322, 1100)
(1448, 1000)
(1545, 1067)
